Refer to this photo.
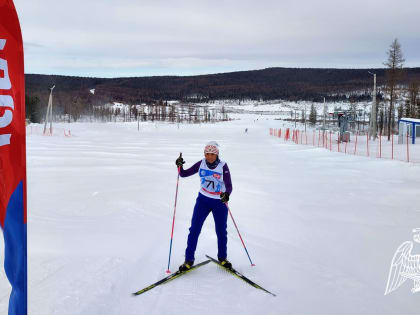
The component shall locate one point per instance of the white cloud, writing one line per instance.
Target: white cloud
(143, 37)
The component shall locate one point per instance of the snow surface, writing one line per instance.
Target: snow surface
(321, 227)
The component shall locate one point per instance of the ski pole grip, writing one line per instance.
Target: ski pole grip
(179, 167)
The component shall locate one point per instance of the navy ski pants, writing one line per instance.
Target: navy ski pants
(204, 205)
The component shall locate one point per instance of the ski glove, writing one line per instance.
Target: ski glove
(179, 161)
(224, 197)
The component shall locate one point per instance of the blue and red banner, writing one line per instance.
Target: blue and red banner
(13, 156)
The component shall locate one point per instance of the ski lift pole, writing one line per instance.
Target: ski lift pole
(173, 219)
(230, 213)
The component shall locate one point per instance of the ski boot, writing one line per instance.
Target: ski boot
(186, 266)
(225, 263)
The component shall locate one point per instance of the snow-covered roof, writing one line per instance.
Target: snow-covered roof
(410, 120)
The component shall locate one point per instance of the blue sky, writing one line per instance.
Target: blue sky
(104, 38)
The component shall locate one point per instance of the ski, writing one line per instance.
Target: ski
(169, 278)
(239, 275)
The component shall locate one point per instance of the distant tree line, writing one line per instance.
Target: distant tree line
(160, 111)
(73, 96)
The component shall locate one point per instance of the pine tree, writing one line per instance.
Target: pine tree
(312, 115)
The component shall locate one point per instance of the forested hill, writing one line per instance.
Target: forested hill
(271, 83)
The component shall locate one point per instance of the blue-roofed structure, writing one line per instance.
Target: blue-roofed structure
(410, 126)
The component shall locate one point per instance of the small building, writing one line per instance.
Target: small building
(410, 127)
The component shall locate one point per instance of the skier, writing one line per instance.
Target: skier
(216, 187)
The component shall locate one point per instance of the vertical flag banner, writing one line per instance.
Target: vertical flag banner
(13, 156)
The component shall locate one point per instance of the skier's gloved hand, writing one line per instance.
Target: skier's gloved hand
(224, 197)
(179, 161)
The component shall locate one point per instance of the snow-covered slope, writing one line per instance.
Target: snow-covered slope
(321, 227)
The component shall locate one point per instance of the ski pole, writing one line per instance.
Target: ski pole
(173, 219)
(252, 264)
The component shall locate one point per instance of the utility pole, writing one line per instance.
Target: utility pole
(49, 112)
(373, 115)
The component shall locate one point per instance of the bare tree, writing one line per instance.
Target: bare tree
(413, 92)
(381, 120)
(400, 111)
(77, 107)
(418, 108)
(394, 63)
(172, 114)
(190, 113)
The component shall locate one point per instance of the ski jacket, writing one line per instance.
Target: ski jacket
(212, 181)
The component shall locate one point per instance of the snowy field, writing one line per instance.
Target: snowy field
(321, 227)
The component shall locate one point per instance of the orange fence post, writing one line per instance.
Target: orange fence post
(367, 144)
(319, 136)
(338, 141)
(326, 140)
(355, 144)
(330, 141)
